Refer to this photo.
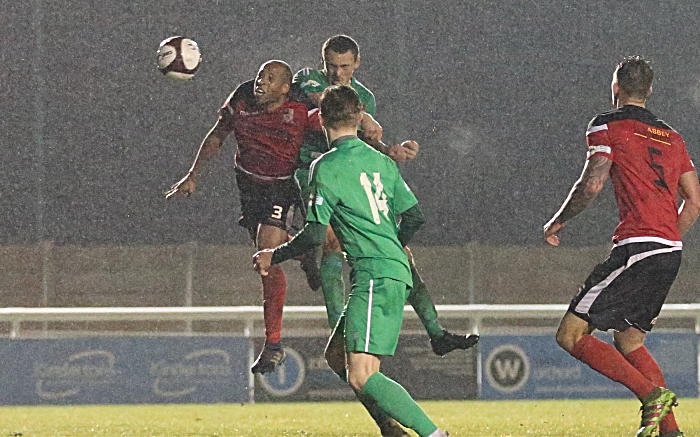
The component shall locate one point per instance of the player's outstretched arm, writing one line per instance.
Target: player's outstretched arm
(595, 172)
(405, 151)
(689, 190)
(210, 146)
(313, 234)
(371, 129)
(398, 152)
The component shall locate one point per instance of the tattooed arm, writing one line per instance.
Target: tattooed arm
(595, 173)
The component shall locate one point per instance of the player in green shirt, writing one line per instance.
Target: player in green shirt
(360, 193)
(341, 57)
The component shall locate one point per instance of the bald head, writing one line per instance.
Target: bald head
(279, 66)
(272, 84)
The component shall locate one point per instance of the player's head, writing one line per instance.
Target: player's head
(341, 57)
(273, 82)
(340, 107)
(632, 80)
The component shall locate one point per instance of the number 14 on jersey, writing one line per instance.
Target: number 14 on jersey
(375, 195)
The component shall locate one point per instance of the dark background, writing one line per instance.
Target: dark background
(498, 95)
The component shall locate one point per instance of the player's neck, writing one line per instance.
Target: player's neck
(272, 106)
(621, 103)
(334, 134)
(624, 100)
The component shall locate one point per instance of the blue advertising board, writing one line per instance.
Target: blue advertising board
(305, 376)
(124, 370)
(535, 367)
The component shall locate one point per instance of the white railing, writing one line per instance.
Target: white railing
(474, 313)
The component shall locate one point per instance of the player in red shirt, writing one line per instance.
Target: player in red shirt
(268, 128)
(649, 166)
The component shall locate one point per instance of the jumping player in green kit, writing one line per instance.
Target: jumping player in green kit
(341, 57)
(360, 193)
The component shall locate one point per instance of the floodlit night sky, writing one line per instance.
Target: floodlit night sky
(498, 94)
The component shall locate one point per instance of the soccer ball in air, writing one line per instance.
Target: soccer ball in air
(178, 58)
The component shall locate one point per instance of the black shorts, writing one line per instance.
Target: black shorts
(266, 202)
(629, 288)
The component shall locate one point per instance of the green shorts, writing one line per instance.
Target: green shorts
(373, 315)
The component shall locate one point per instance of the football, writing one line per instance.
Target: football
(178, 58)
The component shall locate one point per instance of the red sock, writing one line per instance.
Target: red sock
(274, 292)
(605, 359)
(643, 361)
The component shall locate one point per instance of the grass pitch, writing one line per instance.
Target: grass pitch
(570, 418)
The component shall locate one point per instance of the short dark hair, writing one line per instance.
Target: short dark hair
(634, 76)
(341, 44)
(340, 106)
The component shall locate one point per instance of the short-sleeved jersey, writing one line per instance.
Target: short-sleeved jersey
(268, 142)
(309, 80)
(359, 192)
(648, 159)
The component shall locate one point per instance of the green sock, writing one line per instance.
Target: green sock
(397, 403)
(422, 304)
(333, 285)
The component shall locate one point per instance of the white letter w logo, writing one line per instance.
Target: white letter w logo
(507, 369)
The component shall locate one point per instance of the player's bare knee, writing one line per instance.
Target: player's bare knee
(269, 237)
(571, 329)
(628, 340)
(331, 246)
(619, 346)
(567, 338)
(357, 379)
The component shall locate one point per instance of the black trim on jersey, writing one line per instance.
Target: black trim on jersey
(630, 112)
(341, 139)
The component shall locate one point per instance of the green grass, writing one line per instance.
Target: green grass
(570, 418)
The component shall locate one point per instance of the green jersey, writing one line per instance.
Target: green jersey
(310, 80)
(359, 192)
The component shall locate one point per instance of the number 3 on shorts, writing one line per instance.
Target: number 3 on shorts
(277, 212)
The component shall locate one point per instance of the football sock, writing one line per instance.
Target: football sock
(643, 361)
(423, 305)
(397, 403)
(274, 293)
(605, 359)
(333, 285)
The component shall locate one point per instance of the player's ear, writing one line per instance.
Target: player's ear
(615, 91)
(615, 88)
(650, 90)
(286, 88)
(359, 119)
(357, 62)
